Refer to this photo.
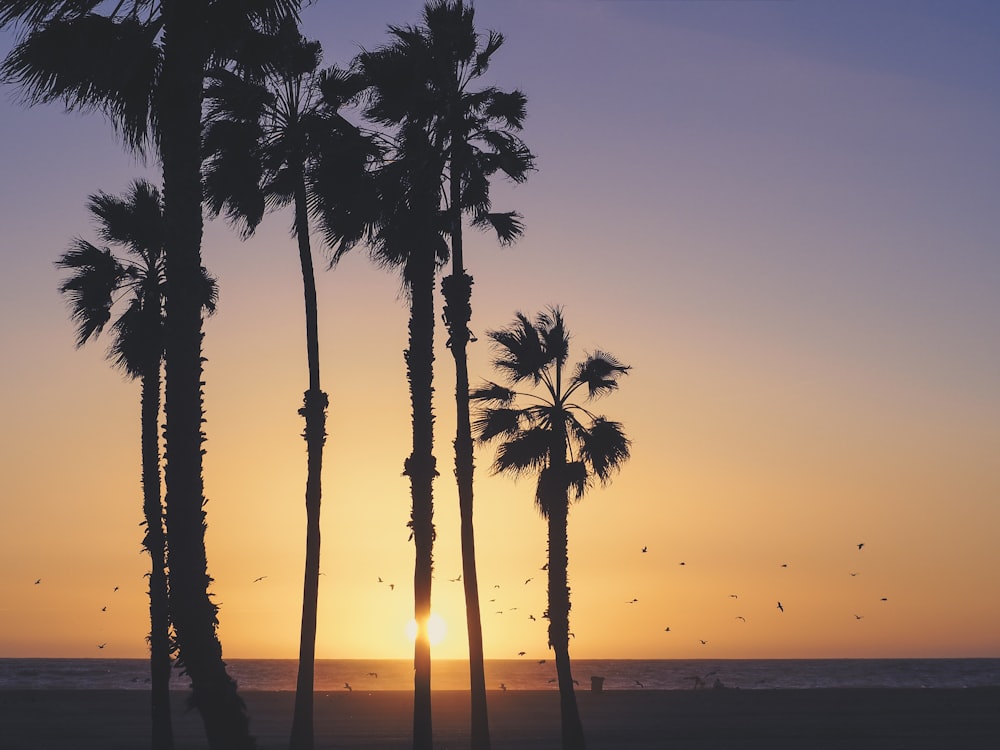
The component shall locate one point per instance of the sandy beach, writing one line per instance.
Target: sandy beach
(886, 719)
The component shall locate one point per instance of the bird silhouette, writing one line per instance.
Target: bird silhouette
(503, 687)
(392, 587)
(682, 563)
(259, 579)
(532, 617)
(104, 609)
(528, 580)
(632, 602)
(666, 629)
(639, 684)
(703, 643)
(853, 575)
(456, 580)
(884, 599)
(734, 596)
(116, 588)
(373, 674)
(521, 653)
(782, 609)
(784, 565)
(644, 549)
(541, 661)
(741, 617)
(102, 645)
(861, 545)
(544, 567)
(347, 686)
(859, 617)
(38, 581)
(380, 579)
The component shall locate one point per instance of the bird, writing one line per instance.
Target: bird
(532, 617)
(544, 567)
(541, 661)
(392, 587)
(259, 579)
(734, 596)
(859, 617)
(380, 579)
(553, 679)
(373, 674)
(104, 609)
(884, 599)
(780, 607)
(784, 565)
(116, 588)
(496, 585)
(703, 642)
(853, 575)
(347, 686)
(503, 687)
(861, 545)
(632, 602)
(741, 617)
(666, 629)
(682, 563)
(521, 653)
(38, 581)
(102, 645)
(456, 580)
(572, 635)
(645, 549)
(528, 580)
(639, 684)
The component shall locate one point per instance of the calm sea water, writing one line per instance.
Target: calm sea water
(521, 674)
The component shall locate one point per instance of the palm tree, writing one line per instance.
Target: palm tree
(270, 137)
(423, 79)
(144, 65)
(563, 442)
(97, 281)
(394, 210)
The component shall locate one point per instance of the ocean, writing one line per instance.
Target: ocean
(525, 674)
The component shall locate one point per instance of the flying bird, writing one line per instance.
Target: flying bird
(734, 596)
(347, 686)
(703, 643)
(392, 587)
(38, 581)
(861, 545)
(116, 588)
(503, 687)
(853, 575)
(104, 609)
(456, 580)
(780, 607)
(528, 580)
(632, 602)
(741, 617)
(544, 567)
(884, 599)
(645, 549)
(541, 661)
(859, 617)
(532, 617)
(666, 629)
(102, 645)
(259, 579)
(521, 653)
(639, 684)
(682, 563)
(373, 674)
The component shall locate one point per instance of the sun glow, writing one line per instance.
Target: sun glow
(437, 629)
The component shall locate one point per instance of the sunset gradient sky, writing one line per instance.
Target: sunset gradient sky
(783, 215)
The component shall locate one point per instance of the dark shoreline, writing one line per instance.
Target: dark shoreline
(821, 718)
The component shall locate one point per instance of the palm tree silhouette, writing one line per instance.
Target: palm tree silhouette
(272, 139)
(97, 282)
(144, 64)
(564, 443)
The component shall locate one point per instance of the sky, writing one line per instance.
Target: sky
(781, 214)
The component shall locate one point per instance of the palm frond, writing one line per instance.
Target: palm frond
(527, 451)
(554, 335)
(494, 423)
(577, 478)
(604, 447)
(507, 225)
(519, 351)
(134, 220)
(95, 275)
(600, 373)
(493, 394)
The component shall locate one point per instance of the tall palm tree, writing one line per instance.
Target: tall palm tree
(271, 137)
(568, 446)
(97, 281)
(423, 79)
(143, 63)
(394, 209)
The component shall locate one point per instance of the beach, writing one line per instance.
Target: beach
(823, 719)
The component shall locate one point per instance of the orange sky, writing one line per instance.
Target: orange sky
(789, 233)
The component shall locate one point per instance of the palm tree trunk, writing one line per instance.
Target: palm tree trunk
(193, 612)
(457, 290)
(159, 609)
(314, 411)
(421, 469)
(559, 606)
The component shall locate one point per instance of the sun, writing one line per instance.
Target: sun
(437, 629)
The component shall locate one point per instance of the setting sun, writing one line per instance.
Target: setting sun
(437, 629)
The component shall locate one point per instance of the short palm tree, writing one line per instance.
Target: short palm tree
(143, 63)
(546, 432)
(271, 137)
(98, 281)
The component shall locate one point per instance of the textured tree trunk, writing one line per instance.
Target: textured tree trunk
(314, 411)
(192, 610)
(559, 606)
(159, 608)
(457, 293)
(421, 468)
